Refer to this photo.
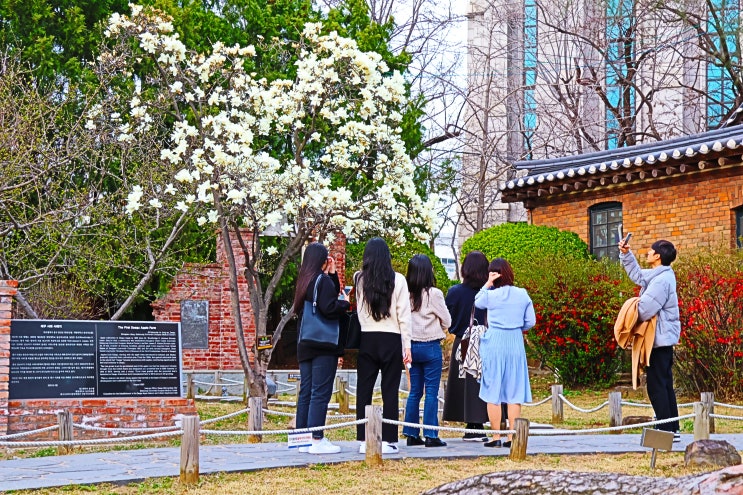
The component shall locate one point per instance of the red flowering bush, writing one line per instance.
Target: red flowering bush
(709, 357)
(576, 302)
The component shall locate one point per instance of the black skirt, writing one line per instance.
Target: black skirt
(462, 401)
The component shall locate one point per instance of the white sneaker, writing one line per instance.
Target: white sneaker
(389, 448)
(676, 437)
(323, 446)
(304, 450)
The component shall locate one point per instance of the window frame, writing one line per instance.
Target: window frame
(612, 234)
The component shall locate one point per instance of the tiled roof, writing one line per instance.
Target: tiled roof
(633, 163)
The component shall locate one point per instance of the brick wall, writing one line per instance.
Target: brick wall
(691, 211)
(8, 290)
(210, 282)
(24, 415)
(34, 414)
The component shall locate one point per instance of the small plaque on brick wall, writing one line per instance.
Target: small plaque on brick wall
(195, 324)
(52, 359)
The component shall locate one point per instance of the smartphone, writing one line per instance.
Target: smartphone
(626, 239)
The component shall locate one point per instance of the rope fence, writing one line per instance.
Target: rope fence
(169, 431)
(190, 428)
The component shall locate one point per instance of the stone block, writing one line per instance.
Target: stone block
(715, 453)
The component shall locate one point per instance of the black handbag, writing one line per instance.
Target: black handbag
(315, 329)
(353, 331)
(351, 325)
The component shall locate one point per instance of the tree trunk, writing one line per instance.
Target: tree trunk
(541, 482)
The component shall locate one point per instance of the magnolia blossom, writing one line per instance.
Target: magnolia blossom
(345, 102)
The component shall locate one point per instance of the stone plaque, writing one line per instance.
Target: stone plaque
(63, 359)
(195, 324)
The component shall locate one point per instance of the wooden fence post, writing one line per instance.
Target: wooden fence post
(557, 416)
(520, 439)
(190, 450)
(615, 409)
(217, 381)
(701, 421)
(64, 419)
(255, 418)
(709, 399)
(190, 386)
(374, 435)
(342, 394)
(440, 401)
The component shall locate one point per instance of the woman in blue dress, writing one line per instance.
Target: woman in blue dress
(505, 374)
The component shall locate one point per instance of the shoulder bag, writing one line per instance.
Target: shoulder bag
(353, 334)
(469, 348)
(315, 329)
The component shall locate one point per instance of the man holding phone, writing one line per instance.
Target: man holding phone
(658, 298)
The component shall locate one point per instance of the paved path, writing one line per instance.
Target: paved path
(136, 465)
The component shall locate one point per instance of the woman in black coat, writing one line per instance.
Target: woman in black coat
(317, 366)
(462, 402)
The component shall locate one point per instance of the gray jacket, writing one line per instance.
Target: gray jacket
(657, 297)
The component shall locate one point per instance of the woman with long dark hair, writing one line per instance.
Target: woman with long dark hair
(317, 366)
(383, 306)
(462, 401)
(505, 374)
(430, 319)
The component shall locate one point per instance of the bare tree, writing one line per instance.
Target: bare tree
(61, 203)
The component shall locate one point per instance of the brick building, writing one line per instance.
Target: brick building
(687, 190)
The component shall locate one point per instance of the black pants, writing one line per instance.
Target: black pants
(660, 387)
(379, 351)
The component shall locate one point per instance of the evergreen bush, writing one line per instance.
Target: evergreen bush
(516, 241)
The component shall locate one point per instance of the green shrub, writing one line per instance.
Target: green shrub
(517, 241)
(709, 357)
(401, 254)
(576, 302)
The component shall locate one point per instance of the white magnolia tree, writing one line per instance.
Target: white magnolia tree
(313, 156)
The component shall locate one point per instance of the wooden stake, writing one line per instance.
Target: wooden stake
(615, 409)
(708, 398)
(190, 450)
(557, 415)
(374, 435)
(520, 439)
(65, 431)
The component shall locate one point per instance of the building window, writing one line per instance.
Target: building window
(620, 57)
(723, 22)
(739, 227)
(529, 121)
(606, 219)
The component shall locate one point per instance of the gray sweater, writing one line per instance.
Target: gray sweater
(657, 297)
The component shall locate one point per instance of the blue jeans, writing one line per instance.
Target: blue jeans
(315, 388)
(425, 374)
